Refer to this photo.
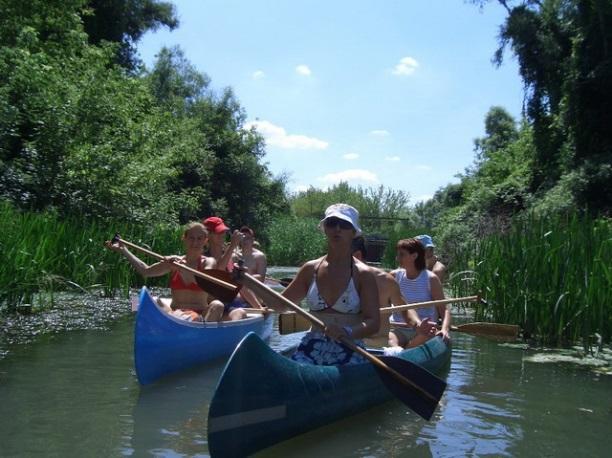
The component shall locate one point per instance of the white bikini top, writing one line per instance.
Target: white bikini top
(348, 302)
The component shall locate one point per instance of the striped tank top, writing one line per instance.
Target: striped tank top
(415, 290)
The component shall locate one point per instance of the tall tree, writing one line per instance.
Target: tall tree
(125, 22)
(565, 57)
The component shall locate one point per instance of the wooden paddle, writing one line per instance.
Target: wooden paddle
(414, 386)
(290, 322)
(215, 282)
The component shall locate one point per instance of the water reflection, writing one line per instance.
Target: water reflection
(76, 395)
(170, 417)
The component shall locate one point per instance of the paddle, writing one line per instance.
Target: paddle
(290, 322)
(414, 386)
(215, 282)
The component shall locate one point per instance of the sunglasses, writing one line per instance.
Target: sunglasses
(333, 222)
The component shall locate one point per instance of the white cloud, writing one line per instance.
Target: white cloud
(351, 175)
(392, 158)
(423, 168)
(301, 188)
(421, 198)
(257, 75)
(379, 133)
(303, 70)
(350, 156)
(277, 136)
(406, 67)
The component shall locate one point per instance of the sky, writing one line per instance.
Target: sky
(369, 92)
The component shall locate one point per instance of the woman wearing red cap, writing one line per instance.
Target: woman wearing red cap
(224, 255)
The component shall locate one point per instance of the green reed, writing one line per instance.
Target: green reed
(41, 253)
(552, 276)
(294, 240)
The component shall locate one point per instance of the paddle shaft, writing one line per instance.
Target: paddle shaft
(178, 264)
(416, 305)
(264, 291)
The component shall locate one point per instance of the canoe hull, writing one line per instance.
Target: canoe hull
(263, 398)
(164, 345)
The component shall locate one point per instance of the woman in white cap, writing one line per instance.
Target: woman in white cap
(339, 291)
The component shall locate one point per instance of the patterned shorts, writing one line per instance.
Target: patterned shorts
(317, 348)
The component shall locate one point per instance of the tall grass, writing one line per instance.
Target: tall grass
(553, 276)
(41, 253)
(294, 240)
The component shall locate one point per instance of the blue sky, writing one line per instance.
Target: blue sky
(369, 92)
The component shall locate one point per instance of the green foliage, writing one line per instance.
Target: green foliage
(42, 253)
(294, 240)
(81, 137)
(380, 208)
(124, 22)
(549, 274)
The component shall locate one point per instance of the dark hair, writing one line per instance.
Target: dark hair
(414, 246)
(358, 244)
(247, 230)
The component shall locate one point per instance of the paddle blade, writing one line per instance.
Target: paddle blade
(428, 382)
(489, 329)
(225, 295)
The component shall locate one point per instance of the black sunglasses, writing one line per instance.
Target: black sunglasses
(333, 222)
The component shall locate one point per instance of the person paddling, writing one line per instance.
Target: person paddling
(389, 294)
(417, 284)
(189, 301)
(339, 290)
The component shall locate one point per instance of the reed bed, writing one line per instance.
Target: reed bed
(294, 240)
(552, 276)
(41, 254)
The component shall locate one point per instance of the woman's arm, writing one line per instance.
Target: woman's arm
(261, 266)
(298, 288)
(228, 253)
(437, 293)
(156, 270)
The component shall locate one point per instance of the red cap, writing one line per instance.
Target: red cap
(215, 224)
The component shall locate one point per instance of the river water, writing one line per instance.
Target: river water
(76, 394)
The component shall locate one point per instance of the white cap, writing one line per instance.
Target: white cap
(344, 212)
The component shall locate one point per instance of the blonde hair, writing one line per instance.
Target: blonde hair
(193, 224)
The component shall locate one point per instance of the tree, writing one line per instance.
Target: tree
(125, 22)
(501, 131)
(564, 50)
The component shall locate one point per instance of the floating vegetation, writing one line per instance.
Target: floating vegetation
(600, 363)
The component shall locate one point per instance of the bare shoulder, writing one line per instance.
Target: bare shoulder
(439, 268)
(309, 266)
(366, 272)
(433, 278)
(257, 254)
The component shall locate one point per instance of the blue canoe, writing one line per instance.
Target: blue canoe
(164, 344)
(263, 398)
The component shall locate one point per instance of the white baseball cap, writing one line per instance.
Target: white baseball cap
(344, 212)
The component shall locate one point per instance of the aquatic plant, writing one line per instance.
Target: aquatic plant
(41, 253)
(551, 275)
